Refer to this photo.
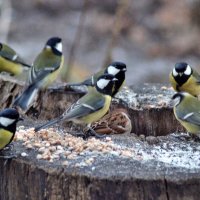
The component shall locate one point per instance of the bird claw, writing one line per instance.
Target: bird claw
(8, 148)
(90, 132)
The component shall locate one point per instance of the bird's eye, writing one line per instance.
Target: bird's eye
(188, 71)
(174, 72)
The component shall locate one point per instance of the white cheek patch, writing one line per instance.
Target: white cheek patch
(59, 47)
(174, 72)
(102, 83)
(6, 121)
(112, 70)
(188, 71)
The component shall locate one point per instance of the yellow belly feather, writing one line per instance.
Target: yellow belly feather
(10, 67)
(5, 137)
(93, 117)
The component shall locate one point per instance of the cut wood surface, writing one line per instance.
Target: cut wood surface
(166, 169)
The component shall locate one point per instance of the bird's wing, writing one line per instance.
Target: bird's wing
(48, 60)
(86, 105)
(11, 55)
(37, 77)
(191, 117)
(43, 65)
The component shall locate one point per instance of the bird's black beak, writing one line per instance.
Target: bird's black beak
(180, 74)
(114, 79)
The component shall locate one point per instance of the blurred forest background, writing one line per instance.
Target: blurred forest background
(150, 36)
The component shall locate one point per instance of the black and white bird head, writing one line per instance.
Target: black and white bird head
(9, 118)
(182, 72)
(55, 43)
(105, 84)
(115, 68)
(178, 97)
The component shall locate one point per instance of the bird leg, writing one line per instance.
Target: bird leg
(90, 132)
(10, 147)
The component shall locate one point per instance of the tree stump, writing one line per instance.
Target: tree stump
(168, 168)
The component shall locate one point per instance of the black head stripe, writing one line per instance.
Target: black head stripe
(179, 94)
(53, 41)
(182, 79)
(118, 65)
(56, 52)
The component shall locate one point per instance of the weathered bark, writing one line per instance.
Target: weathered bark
(28, 179)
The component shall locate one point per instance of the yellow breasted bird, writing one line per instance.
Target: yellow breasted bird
(184, 78)
(10, 61)
(44, 71)
(8, 121)
(91, 107)
(187, 111)
(117, 69)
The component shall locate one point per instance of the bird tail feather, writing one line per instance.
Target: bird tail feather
(27, 97)
(50, 123)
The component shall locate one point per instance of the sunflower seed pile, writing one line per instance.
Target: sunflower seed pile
(52, 145)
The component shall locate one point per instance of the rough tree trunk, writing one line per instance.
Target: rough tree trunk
(116, 178)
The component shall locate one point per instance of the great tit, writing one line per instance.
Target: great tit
(8, 121)
(117, 69)
(44, 71)
(187, 111)
(10, 61)
(91, 107)
(184, 78)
